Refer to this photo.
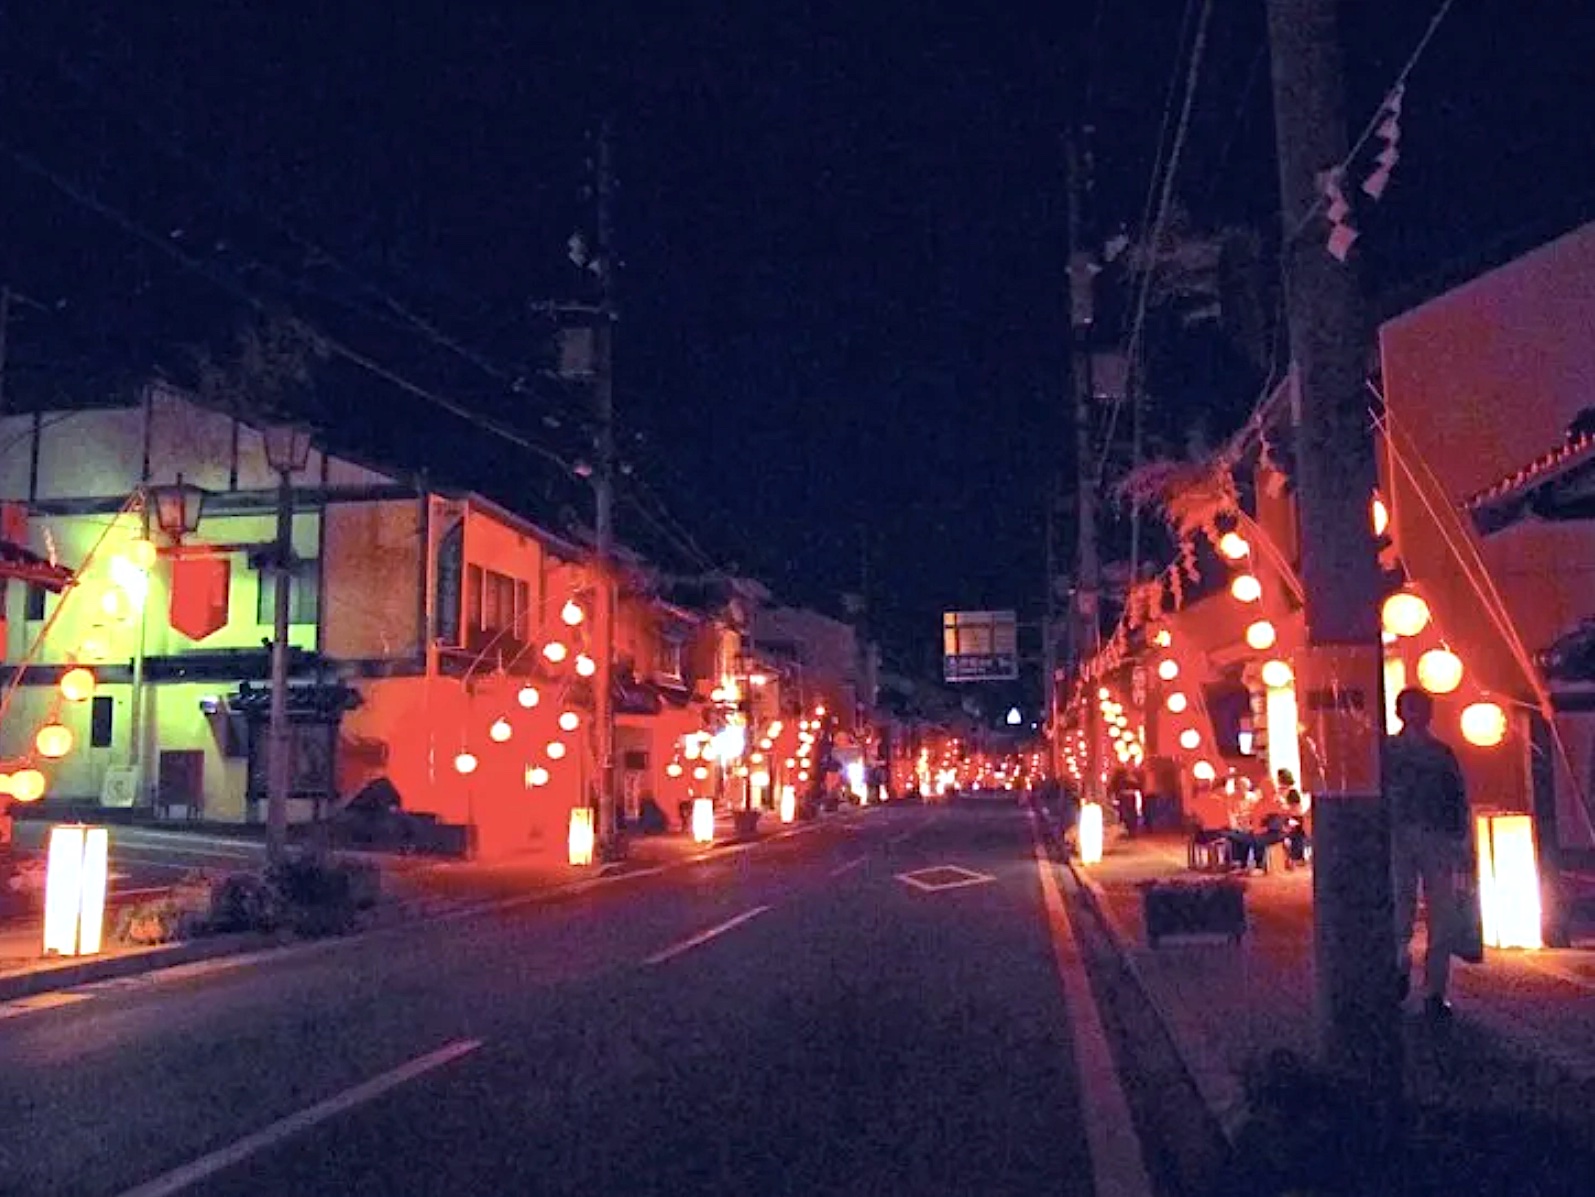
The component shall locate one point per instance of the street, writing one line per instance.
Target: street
(818, 1015)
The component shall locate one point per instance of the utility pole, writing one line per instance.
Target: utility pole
(1082, 320)
(1049, 636)
(604, 495)
(1340, 676)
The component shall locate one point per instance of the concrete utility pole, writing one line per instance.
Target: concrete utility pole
(1340, 677)
(1088, 581)
(604, 493)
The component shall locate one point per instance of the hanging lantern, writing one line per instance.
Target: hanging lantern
(96, 644)
(701, 773)
(528, 697)
(1483, 724)
(1404, 614)
(1260, 635)
(1203, 771)
(673, 769)
(27, 785)
(1379, 514)
(569, 721)
(586, 666)
(555, 750)
(1277, 674)
(142, 553)
(1163, 638)
(1246, 588)
(571, 613)
(1190, 738)
(53, 740)
(537, 776)
(465, 764)
(1439, 671)
(1233, 545)
(1176, 703)
(77, 685)
(1168, 669)
(555, 652)
(500, 731)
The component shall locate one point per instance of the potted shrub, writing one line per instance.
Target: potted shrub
(1205, 907)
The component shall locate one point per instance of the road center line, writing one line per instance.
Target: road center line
(847, 866)
(704, 937)
(1116, 1163)
(209, 1165)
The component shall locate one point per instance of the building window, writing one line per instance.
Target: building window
(33, 603)
(304, 594)
(496, 603)
(669, 662)
(102, 716)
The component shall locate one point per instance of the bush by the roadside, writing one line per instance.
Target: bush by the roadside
(183, 912)
(309, 893)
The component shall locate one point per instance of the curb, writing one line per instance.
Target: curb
(1228, 1123)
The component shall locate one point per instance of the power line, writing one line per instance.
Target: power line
(1165, 202)
(243, 295)
(1378, 117)
(406, 315)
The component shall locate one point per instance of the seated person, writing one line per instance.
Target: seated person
(1295, 823)
(1264, 815)
(1209, 812)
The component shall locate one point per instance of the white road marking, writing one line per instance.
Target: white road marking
(40, 1001)
(920, 878)
(1116, 1163)
(704, 937)
(847, 866)
(209, 1165)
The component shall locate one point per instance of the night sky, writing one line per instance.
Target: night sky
(841, 362)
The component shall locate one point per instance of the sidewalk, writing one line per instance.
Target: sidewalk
(1517, 1066)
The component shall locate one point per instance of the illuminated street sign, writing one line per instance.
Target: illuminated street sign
(980, 646)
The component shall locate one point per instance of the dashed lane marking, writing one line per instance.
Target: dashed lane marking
(847, 866)
(40, 1001)
(703, 937)
(270, 1135)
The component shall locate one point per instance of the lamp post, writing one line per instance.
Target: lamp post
(177, 509)
(287, 449)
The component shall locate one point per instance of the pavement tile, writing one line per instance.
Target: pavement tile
(1522, 1040)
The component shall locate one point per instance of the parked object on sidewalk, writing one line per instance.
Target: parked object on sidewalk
(1208, 907)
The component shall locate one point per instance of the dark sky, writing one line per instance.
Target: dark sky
(842, 229)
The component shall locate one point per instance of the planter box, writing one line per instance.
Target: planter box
(745, 822)
(1193, 908)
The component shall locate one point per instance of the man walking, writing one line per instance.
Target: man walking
(1428, 842)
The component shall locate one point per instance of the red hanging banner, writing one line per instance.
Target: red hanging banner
(200, 587)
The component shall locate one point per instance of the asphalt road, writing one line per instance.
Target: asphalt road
(792, 1019)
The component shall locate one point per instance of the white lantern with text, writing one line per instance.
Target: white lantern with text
(76, 869)
(703, 820)
(1509, 881)
(581, 839)
(1090, 833)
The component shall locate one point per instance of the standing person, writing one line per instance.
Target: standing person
(1428, 806)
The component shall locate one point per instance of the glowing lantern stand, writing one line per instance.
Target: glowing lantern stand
(1090, 833)
(74, 889)
(788, 803)
(581, 839)
(1509, 881)
(703, 820)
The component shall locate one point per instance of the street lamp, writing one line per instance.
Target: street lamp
(178, 507)
(287, 448)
